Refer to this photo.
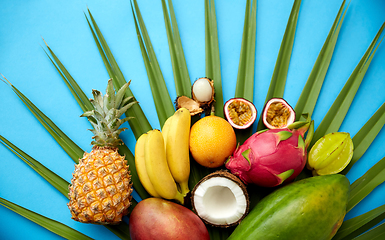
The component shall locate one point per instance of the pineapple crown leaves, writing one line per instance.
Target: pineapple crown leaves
(105, 118)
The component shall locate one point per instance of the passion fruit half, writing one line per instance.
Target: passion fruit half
(277, 113)
(240, 113)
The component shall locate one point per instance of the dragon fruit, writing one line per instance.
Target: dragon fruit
(271, 157)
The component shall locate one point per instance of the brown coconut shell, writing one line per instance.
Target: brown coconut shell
(188, 103)
(232, 177)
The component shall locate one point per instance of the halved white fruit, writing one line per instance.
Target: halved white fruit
(220, 199)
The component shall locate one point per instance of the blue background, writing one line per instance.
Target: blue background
(62, 24)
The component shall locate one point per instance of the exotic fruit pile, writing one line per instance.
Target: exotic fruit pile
(101, 188)
(206, 172)
(268, 158)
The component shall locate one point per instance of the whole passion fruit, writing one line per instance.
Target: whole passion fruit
(240, 113)
(277, 113)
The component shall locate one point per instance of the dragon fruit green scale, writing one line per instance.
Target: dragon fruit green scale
(270, 158)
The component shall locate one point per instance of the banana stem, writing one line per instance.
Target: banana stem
(179, 197)
(184, 188)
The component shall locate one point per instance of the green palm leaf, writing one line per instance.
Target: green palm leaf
(60, 184)
(377, 233)
(365, 136)
(336, 114)
(52, 225)
(356, 226)
(179, 66)
(278, 80)
(73, 150)
(213, 66)
(245, 79)
(139, 124)
(163, 104)
(72, 85)
(55, 180)
(366, 183)
(312, 88)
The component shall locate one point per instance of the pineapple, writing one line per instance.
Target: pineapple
(100, 190)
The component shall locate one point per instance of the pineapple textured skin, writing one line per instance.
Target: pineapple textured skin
(100, 190)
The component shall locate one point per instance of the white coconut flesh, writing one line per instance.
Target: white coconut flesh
(202, 90)
(220, 201)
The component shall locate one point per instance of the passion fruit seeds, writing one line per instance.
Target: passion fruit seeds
(278, 114)
(240, 113)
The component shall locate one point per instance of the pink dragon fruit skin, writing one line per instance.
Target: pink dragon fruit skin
(270, 158)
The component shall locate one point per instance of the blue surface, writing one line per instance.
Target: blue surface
(63, 26)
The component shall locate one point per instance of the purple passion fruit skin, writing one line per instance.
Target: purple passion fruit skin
(277, 113)
(240, 113)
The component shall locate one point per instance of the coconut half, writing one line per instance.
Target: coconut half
(220, 199)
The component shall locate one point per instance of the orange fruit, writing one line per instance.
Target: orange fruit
(212, 141)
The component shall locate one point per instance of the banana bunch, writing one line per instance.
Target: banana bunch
(162, 158)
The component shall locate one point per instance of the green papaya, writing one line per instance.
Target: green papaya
(312, 208)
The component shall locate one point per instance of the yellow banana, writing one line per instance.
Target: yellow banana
(165, 129)
(141, 166)
(177, 148)
(157, 167)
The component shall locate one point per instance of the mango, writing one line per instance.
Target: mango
(155, 218)
(312, 208)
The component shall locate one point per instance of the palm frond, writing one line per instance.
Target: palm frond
(246, 69)
(59, 183)
(278, 80)
(73, 150)
(72, 85)
(55, 180)
(163, 104)
(366, 183)
(139, 124)
(337, 112)
(356, 226)
(123, 149)
(181, 76)
(377, 233)
(245, 79)
(312, 88)
(50, 224)
(365, 136)
(213, 65)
